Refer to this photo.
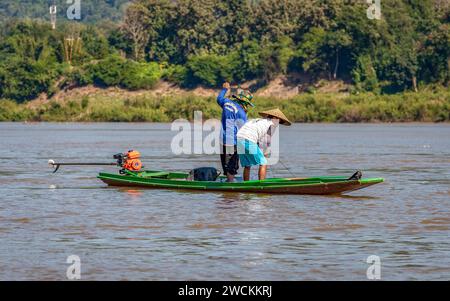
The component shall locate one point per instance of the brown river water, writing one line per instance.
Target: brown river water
(133, 234)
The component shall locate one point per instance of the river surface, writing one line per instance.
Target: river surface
(132, 234)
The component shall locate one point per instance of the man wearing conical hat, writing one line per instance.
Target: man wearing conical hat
(252, 134)
(234, 116)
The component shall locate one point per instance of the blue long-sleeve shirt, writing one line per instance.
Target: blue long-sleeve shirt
(233, 118)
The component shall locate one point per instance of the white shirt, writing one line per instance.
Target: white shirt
(255, 130)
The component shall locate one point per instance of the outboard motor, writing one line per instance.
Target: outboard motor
(129, 161)
(204, 174)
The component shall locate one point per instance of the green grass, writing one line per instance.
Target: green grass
(426, 106)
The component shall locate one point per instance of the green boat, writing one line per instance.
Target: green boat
(181, 181)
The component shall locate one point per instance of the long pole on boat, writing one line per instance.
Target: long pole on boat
(57, 165)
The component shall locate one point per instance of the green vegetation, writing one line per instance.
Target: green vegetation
(117, 71)
(133, 45)
(92, 10)
(430, 106)
(205, 42)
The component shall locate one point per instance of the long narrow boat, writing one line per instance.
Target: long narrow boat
(180, 181)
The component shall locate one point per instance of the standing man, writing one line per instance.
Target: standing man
(234, 116)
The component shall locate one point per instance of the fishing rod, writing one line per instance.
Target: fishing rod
(128, 161)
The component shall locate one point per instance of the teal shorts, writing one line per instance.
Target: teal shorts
(250, 154)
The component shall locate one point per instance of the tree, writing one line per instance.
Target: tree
(136, 28)
(199, 26)
(108, 72)
(310, 54)
(248, 59)
(95, 43)
(364, 75)
(140, 75)
(336, 41)
(210, 69)
(24, 79)
(434, 56)
(159, 17)
(397, 58)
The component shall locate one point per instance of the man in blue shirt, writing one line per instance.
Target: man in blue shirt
(234, 115)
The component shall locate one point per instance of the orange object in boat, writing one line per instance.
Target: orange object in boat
(132, 154)
(133, 165)
(132, 162)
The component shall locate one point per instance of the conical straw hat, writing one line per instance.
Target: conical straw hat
(277, 114)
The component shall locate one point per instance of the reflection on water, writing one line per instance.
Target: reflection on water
(182, 235)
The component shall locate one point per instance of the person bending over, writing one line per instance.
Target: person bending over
(252, 134)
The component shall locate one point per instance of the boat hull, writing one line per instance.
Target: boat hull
(305, 186)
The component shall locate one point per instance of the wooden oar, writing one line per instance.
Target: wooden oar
(56, 166)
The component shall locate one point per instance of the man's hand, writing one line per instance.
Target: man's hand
(227, 86)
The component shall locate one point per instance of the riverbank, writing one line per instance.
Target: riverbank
(431, 105)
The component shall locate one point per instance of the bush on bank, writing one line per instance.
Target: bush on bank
(426, 106)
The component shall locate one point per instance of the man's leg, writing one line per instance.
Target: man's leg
(230, 178)
(223, 160)
(230, 162)
(247, 173)
(262, 172)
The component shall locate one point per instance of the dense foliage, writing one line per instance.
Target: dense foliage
(205, 42)
(91, 10)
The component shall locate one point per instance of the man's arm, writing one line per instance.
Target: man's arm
(266, 141)
(221, 98)
(230, 128)
(270, 133)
